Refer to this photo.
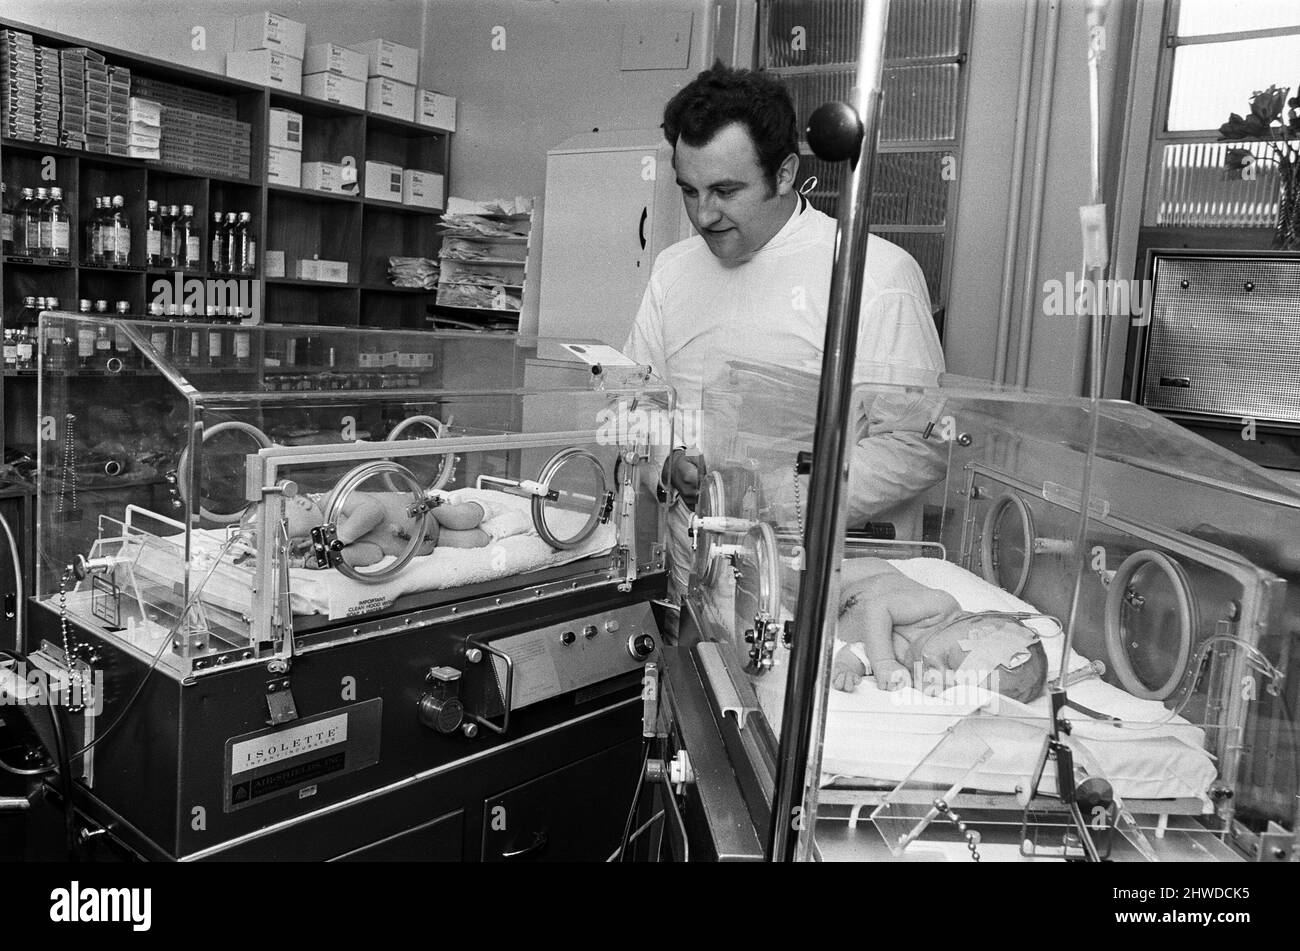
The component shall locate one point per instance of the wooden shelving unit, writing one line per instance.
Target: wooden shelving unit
(299, 222)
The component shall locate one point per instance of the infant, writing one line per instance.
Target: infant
(374, 525)
(909, 631)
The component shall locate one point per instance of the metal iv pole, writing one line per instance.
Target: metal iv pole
(837, 131)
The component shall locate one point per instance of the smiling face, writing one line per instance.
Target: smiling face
(729, 199)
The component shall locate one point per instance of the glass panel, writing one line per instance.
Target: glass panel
(1196, 190)
(1203, 17)
(1213, 80)
(305, 480)
(1169, 665)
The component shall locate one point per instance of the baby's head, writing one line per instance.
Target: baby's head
(1006, 653)
(303, 513)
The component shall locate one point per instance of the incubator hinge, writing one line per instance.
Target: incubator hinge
(279, 701)
(325, 547)
(762, 640)
(606, 508)
(427, 503)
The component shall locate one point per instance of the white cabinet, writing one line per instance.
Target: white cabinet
(612, 204)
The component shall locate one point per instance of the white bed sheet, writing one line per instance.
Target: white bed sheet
(881, 736)
(516, 550)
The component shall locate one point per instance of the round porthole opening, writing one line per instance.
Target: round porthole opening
(574, 503)
(1006, 544)
(1150, 624)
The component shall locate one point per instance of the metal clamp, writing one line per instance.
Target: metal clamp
(763, 639)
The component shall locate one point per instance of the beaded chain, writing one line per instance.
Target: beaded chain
(972, 837)
(68, 475)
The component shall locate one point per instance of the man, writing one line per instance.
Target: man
(754, 285)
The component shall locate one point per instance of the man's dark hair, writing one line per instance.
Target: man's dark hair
(720, 96)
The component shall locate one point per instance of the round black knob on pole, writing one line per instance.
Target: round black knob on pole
(835, 132)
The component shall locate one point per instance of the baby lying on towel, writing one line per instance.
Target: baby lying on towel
(911, 633)
(375, 525)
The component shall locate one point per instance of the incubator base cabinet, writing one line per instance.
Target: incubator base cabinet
(313, 607)
(1057, 630)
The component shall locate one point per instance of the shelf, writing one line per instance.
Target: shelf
(23, 260)
(390, 289)
(485, 262)
(484, 239)
(399, 207)
(300, 282)
(403, 126)
(309, 105)
(311, 194)
(113, 268)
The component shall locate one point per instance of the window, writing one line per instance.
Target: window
(1217, 54)
(812, 46)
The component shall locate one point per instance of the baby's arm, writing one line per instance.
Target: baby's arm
(358, 519)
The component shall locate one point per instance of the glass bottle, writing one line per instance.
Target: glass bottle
(243, 340)
(11, 349)
(86, 345)
(121, 227)
(216, 336)
(247, 244)
(191, 237)
(6, 221)
(94, 249)
(25, 336)
(175, 239)
(231, 236)
(27, 239)
(153, 235)
(218, 245)
(60, 237)
(44, 233)
(103, 347)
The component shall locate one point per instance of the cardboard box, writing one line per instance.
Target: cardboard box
(329, 177)
(436, 110)
(271, 31)
(420, 188)
(332, 58)
(266, 68)
(384, 181)
(273, 264)
(391, 60)
(333, 271)
(332, 87)
(388, 97)
(306, 271)
(286, 129)
(284, 167)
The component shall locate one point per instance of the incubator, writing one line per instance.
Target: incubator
(424, 554)
(1124, 684)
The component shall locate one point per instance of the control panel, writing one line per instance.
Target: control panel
(549, 661)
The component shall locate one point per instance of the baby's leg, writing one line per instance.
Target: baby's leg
(847, 670)
(361, 554)
(460, 516)
(474, 538)
(871, 617)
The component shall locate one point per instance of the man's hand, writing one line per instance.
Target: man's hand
(683, 473)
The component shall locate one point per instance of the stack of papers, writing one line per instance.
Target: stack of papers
(485, 229)
(413, 272)
(497, 206)
(146, 129)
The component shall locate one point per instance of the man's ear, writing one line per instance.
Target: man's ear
(787, 173)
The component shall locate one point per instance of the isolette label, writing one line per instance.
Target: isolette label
(269, 763)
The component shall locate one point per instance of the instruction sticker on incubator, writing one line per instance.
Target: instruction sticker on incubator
(106, 601)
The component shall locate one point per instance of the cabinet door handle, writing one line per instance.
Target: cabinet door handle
(645, 213)
(539, 842)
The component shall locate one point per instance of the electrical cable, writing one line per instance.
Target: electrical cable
(636, 800)
(633, 837)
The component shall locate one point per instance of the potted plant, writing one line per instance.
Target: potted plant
(1265, 123)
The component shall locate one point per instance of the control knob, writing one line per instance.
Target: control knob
(440, 709)
(640, 646)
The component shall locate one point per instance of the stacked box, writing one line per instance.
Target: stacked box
(97, 108)
(72, 72)
(49, 95)
(199, 131)
(119, 111)
(18, 66)
(182, 97)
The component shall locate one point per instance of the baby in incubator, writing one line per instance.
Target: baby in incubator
(911, 633)
(374, 525)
